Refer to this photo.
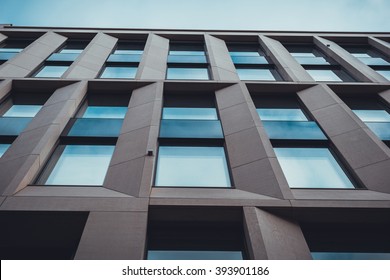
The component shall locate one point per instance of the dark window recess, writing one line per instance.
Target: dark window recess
(40, 235)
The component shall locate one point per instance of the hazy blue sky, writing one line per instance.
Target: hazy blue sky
(332, 15)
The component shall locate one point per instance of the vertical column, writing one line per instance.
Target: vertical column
(5, 87)
(153, 64)
(251, 156)
(113, 236)
(367, 156)
(92, 59)
(30, 58)
(380, 45)
(131, 168)
(288, 67)
(271, 237)
(22, 161)
(353, 65)
(221, 64)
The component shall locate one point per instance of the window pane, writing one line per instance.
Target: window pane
(187, 59)
(194, 255)
(192, 166)
(75, 51)
(106, 112)
(124, 58)
(311, 168)
(81, 165)
(324, 75)
(119, 72)
(189, 114)
(52, 71)
(188, 73)
(25, 111)
(349, 256)
(373, 115)
(63, 57)
(13, 125)
(293, 130)
(255, 74)
(318, 60)
(13, 50)
(3, 148)
(186, 53)
(191, 129)
(281, 115)
(244, 54)
(128, 52)
(97, 127)
(384, 73)
(302, 54)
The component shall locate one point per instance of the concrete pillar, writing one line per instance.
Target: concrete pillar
(364, 153)
(288, 67)
(380, 45)
(351, 64)
(131, 169)
(385, 95)
(29, 152)
(113, 236)
(270, 237)
(23, 64)
(252, 159)
(153, 64)
(91, 61)
(5, 87)
(221, 64)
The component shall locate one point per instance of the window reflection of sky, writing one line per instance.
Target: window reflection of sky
(106, 112)
(170, 113)
(25, 111)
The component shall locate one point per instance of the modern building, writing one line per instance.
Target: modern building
(194, 144)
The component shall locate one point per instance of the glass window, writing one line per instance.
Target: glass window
(76, 51)
(188, 73)
(180, 166)
(186, 52)
(384, 73)
(112, 72)
(81, 165)
(128, 52)
(25, 111)
(13, 50)
(281, 114)
(189, 114)
(324, 75)
(106, 112)
(244, 53)
(302, 54)
(194, 255)
(3, 148)
(255, 74)
(373, 115)
(311, 168)
(50, 71)
(349, 256)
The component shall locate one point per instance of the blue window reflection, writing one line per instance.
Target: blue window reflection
(175, 113)
(63, 57)
(187, 74)
(349, 256)
(324, 75)
(191, 129)
(180, 166)
(50, 71)
(106, 112)
(373, 115)
(131, 52)
(194, 255)
(185, 53)
(255, 74)
(299, 130)
(23, 111)
(384, 73)
(311, 168)
(244, 53)
(113, 72)
(13, 126)
(275, 114)
(81, 165)
(3, 148)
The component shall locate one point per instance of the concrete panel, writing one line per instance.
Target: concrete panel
(11, 71)
(231, 96)
(154, 61)
(327, 204)
(376, 177)
(39, 50)
(356, 68)
(142, 116)
(73, 191)
(273, 237)
(236, 118)
(385, 95)
(318, 97)
(344, 195)
(80, 72)
(380, 45)
(5, 88)
(44, 203)
(287, 66)
(222, 67)
(113, 236)
(51, 39)
(75, 92)
(146, 94)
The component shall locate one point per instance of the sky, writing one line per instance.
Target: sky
(281, 15)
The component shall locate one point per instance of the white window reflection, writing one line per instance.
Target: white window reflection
(384, 73)
(281, 114)
(255, 74)
(324, 75)
(112, 72)
(51, 71)
(81, 165)
(23, 111)
(180, 166)
(311, 168)
(373, 115)
(170, 113)
(105, 112)
(188, 74)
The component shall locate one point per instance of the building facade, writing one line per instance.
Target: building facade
(191, 144)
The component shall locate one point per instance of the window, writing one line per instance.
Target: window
(311, 168)
(172, 113)
(78, 165)
(123, 62)
(4, 148)
(12, 47)
(187, 61)
(16, 118)
(51, 71)
(319, 66)
(23, 111)
(180, 166)
(68, 53)
(268, 114)
(251, 62)
(384, 73)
